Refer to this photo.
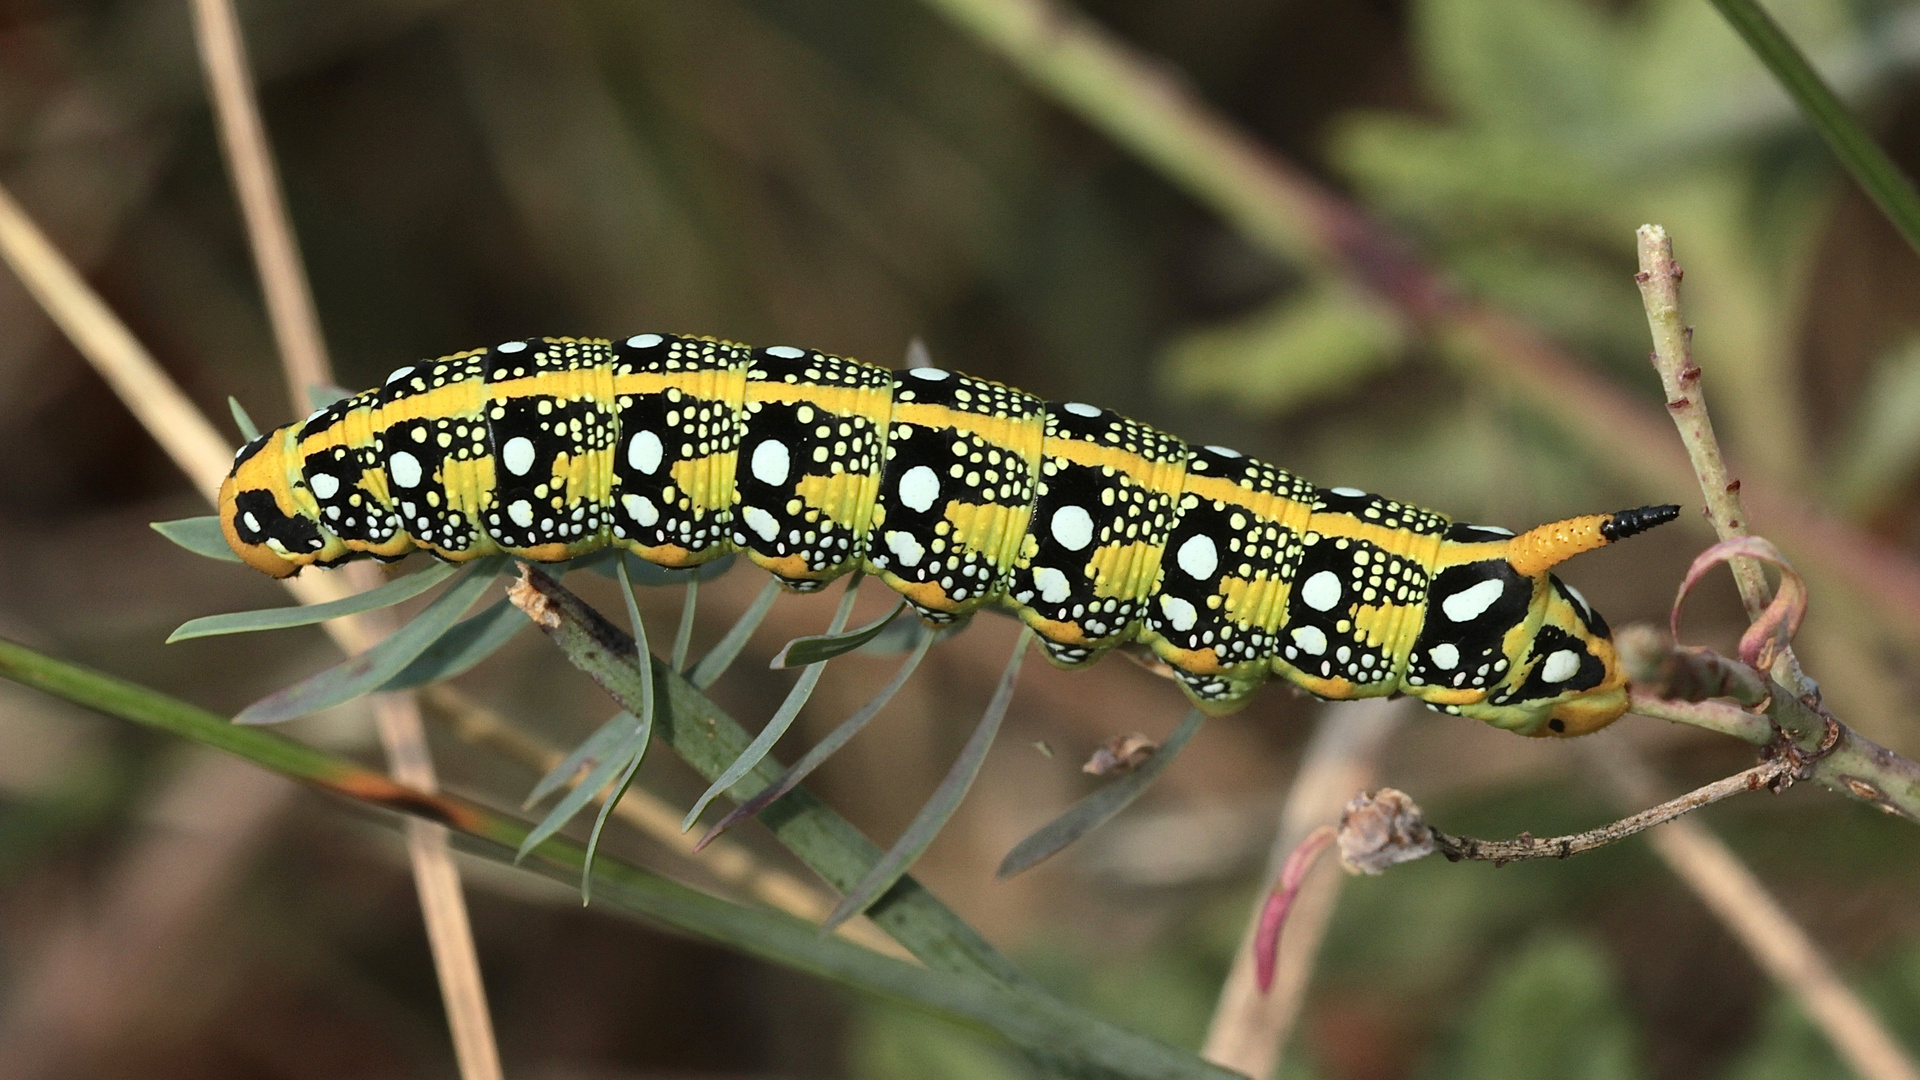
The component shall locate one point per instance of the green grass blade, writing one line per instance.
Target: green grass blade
(821, 648)
(591, 751)
(1020, 1014)
(469, 642)
(248, 430)
(244, 622)
(946, 798)
(200, 535)
(715, 664)
(369, 670)
(1093, 811)
(709, 740)
(822, 750)
(683, 637)
(628, 747)
(1890, 189)
(762, 743)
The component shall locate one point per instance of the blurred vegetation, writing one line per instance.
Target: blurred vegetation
(848, 176)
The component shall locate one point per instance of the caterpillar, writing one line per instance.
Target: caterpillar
(1093, 529)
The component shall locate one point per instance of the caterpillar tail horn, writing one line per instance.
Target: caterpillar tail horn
(1542, 548)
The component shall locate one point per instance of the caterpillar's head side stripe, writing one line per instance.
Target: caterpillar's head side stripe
(259, 513)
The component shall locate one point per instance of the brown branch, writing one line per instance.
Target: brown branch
(1767, 774)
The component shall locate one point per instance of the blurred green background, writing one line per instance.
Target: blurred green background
(849, 175)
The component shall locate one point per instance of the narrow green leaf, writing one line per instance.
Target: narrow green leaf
(946, 799)
(643, 659)
(200, 535)
(366, 672)
(965, 995)
(591, 751)
(1890, 189)
(709, 740)
(459, 649)
(715, 664)
(796, 698)
(248, 431)
(821, 648)
(1093, 811)
(683, 637)
(242, 622)
(823, 750)
(603, 774)
(324, 396)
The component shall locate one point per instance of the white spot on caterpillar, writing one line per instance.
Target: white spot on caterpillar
(905, 548)
(920, 488)
(1322, 591)
(1347, 492)
(760, 522)
(1560, 666)
(521, 512)
(770, 462)
(1311, 639)
(1445, 656)
(1473, 601)
(1072, 527)
(405, 469)
(1198, 557)
(1226, 451)
(325, 485)
(253, 523)
(1079, 409)
(1054, 586)
(786, 352)
(640, 508)
(644, 341)
(931, 374)
(399, 373)
(1180, 614)
(517, 455)
(511, 346)
(643, 451)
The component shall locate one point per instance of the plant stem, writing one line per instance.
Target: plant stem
(1560, 847)
(1019, 1013)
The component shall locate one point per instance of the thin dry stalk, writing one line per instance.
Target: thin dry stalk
(1249, 1030)
(276, 251)
(303, 353)
(1499, 852)
(167, 414)
(724, 860)
(1778, 944)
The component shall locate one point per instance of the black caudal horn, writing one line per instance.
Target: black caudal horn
(1634, 522)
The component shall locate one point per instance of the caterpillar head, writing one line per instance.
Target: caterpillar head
(264, 521)
(1507, 642)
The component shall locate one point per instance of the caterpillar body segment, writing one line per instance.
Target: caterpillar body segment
(958, 493)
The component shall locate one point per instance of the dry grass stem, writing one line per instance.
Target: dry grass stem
(303, 354)
(730, 863)
(276, 251)
(1249, 1030)
(167, 414)
(1778, 944)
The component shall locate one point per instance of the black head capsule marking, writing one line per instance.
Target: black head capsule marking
(1634, 522)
